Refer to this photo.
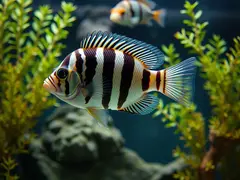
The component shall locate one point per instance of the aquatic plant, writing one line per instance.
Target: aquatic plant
(220, 68)
(30, 43)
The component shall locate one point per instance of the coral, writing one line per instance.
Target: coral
(30, 42)
(74, 146)
(220, 67)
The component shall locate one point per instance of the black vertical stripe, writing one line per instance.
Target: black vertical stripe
(66, 87)
(108, 70)
(164, 81)
(79, 64)
(145, 80)
(140, 12)
(126, 79)
(66, 61)
(158, 80)
(131, 9)
(91, 64)
(87, 99)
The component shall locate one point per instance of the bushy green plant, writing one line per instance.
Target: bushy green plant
(30, 43)
(220, 67)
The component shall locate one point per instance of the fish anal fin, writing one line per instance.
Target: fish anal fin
(146, 104)
(147, 22)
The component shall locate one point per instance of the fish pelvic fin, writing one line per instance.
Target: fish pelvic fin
(100, 115)
(159, 16)
(178, 81)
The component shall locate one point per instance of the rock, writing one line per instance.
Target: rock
(74, 147)
(94, 18)
(74, 132)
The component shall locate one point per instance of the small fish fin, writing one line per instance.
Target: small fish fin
(147, 22)
(149, 3)
(179, 81)
(100, 115)
(150, 56)
(159, 16)
(145, 105)
(91, 91)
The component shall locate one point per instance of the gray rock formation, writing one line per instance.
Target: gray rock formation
(94, 18)
(74, 147)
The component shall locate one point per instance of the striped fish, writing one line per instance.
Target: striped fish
(133, 12)
(111, 71)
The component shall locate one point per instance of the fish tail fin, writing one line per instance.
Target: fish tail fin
(159, 16)
(178, 81)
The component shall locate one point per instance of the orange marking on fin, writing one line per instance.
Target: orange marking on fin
(159, 16)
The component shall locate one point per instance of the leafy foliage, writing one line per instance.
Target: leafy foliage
(220, 67)
(190, 125)
(28, 51)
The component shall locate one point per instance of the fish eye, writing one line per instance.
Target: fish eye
(122, 13)
(62, 73)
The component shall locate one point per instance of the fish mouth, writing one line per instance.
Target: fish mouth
(49, 87)
(115, 17)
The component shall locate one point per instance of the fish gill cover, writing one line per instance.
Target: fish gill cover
(28, 51)
(220, 67)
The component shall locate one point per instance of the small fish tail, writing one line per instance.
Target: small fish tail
(159, 16)
(177, 82)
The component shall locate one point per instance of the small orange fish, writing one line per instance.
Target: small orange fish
(133, 12)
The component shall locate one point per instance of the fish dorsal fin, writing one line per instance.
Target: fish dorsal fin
(145, 105)
(149, 3)
(151, 56)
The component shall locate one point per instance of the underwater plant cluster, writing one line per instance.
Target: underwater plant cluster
(30, 42)
(217, 151)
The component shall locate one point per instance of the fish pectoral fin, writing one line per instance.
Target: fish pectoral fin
(100, 115)
(145, 105)
(91, 91)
